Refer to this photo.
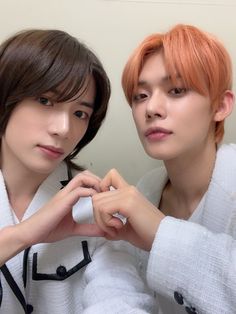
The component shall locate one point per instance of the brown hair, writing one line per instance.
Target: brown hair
(33, 62)
(196, 56)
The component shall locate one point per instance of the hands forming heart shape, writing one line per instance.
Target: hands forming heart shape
(107, 207)
(120, 211)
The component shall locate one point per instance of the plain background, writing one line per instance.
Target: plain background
(112, 29)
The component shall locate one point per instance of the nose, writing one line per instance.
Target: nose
(60, 124)
(156, 106)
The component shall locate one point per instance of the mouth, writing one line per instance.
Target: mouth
(157, 133)
(51, 151)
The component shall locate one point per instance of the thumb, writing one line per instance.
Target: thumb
(113, 179)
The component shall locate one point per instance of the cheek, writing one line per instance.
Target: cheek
(137, 117)
(79, 131)
(15, 137)
(195, 115)
(16, 128)
(197, 124)
(26, 121)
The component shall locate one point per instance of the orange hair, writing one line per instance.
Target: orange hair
(197, 57)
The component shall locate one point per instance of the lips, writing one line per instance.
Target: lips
(157, 130)
(51, 151)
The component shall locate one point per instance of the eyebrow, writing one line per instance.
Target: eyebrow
(164, 80)
(87, 104)
(81, 103)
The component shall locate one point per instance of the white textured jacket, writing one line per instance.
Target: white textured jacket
(73, 276)
(192, 264)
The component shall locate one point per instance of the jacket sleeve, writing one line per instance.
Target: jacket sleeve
(194, 267)
(114, 284)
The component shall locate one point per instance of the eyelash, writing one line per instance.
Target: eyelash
(139, 97)
(42, 100)
(79, 113)
(177, 91)
(173, 92)
(84, 114)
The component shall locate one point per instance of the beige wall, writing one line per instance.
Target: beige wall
(113, 29)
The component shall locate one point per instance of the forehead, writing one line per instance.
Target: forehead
(154, 65)
(154, 70)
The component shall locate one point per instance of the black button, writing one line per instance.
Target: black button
(30, 308)
(178, 297)
(190, 310)
(61, 271)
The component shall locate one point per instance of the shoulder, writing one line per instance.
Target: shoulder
(225, 167)
(227, 150)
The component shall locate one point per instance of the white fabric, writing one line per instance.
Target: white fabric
(108, 284)
(197, 258)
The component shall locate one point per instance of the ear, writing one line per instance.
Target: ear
(226, 106)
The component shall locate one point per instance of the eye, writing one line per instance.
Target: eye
(139, 97)
(44, 101)
(177, 91)
(82, 115)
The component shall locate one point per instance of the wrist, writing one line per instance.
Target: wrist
(154, 226)
(11, 243)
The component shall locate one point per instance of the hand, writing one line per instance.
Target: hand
(143, 218)
(54, 221)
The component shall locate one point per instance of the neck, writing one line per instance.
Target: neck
(189, 178)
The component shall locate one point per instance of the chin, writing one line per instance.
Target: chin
(159, 154)
(43, 169)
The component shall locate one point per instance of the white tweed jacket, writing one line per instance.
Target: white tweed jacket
(192, 264)
(76, 275)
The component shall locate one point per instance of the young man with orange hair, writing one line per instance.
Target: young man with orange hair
(178, 85)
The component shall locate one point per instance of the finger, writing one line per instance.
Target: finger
(58, 207)
(105, 219)
(112, 179)
(73, 196)
(112, 202)
(89, 230)
(89, 173)
(105, 223)
(119, 235)
(82, 180)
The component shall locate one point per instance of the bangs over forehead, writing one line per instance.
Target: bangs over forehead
(39, 61)
(75, 68)
(198, 58)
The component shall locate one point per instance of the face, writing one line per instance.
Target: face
(171, 120)
(41, 132)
